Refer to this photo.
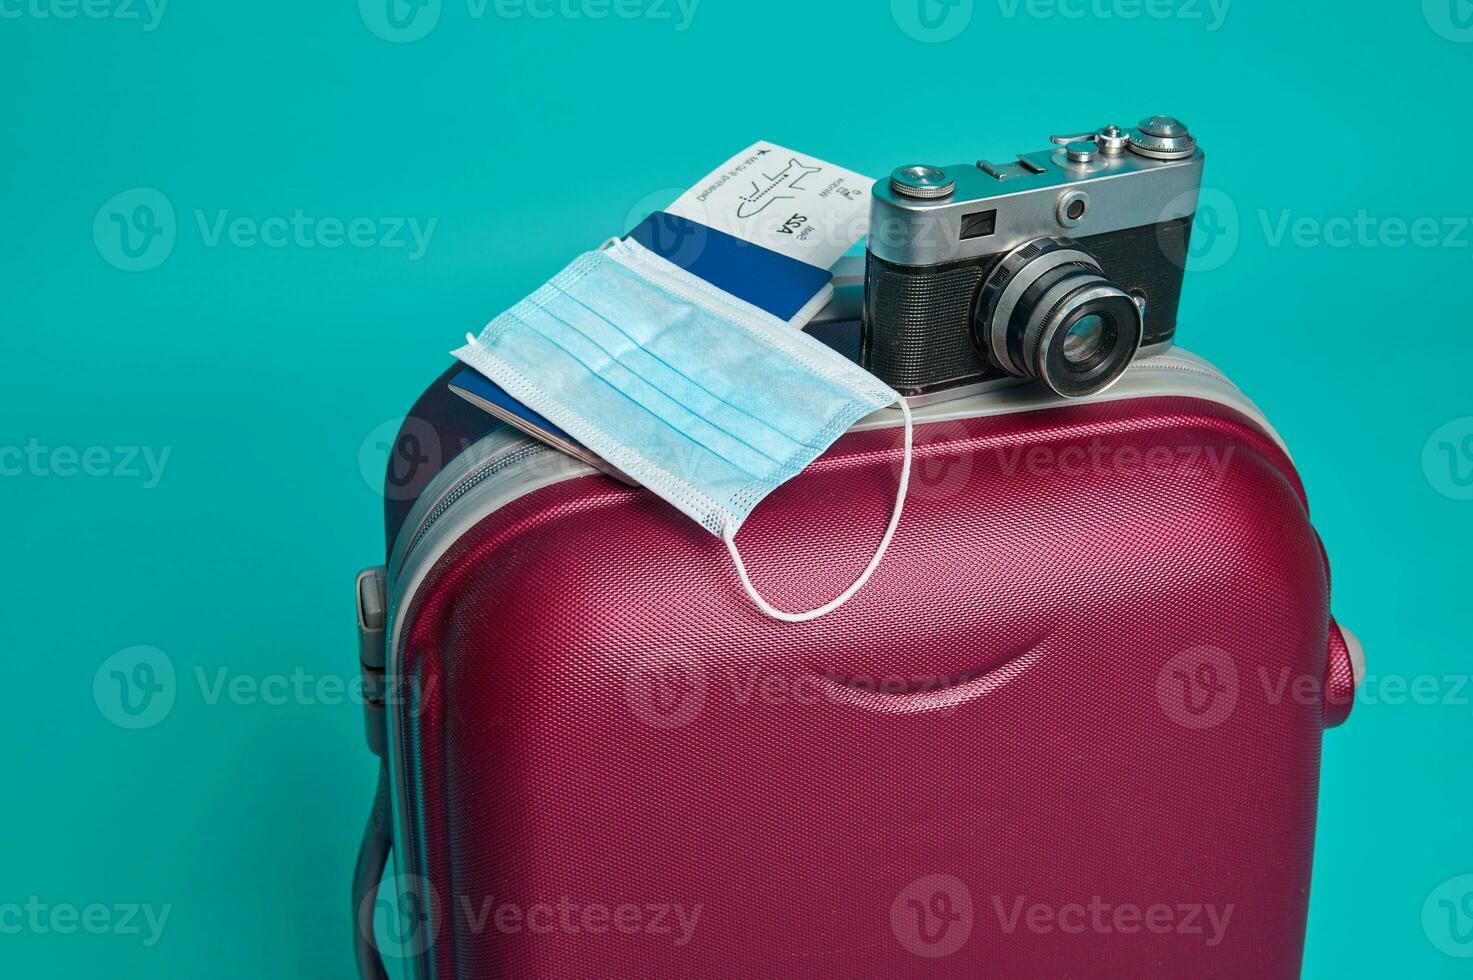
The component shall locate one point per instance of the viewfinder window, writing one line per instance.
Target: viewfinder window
(979, 224)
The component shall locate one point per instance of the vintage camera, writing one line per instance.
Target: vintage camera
(1057, 267)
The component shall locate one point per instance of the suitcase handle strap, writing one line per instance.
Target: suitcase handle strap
(729, 536)
(373, 857)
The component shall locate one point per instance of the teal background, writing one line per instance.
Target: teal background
(268, 375)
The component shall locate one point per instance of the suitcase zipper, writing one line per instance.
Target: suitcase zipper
(1169, 362)
(484, 469)
(504, 451)
(1172, 373)
(1185, 362)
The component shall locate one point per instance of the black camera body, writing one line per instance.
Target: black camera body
(1058, 267)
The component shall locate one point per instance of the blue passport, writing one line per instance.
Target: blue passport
(783, 286)
(490, 397)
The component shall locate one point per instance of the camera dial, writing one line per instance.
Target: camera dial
(1047, 312)
(922, 182)
(1162, 138)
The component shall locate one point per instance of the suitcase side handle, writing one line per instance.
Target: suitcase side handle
(1344, 671)
(371, 606)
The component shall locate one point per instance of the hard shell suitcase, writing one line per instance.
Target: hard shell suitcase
(1071, 728)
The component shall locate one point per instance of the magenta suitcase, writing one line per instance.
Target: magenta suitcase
(1071, 728)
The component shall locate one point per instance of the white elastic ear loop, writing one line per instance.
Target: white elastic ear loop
(729, 536)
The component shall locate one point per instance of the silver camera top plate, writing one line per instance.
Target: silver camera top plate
(993, 207)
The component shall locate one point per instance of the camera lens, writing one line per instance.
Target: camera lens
(1084, 338)
(1047, 312)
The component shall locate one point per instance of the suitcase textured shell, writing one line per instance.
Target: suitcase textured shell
(1071, 728)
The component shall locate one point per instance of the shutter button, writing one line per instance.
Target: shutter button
(1081, 151)
(921, 181)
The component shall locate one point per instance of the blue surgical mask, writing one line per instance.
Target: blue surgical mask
(709, 402)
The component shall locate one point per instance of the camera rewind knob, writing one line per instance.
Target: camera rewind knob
(1164, 126)
(1162, 138)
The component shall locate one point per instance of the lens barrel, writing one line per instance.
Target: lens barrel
(1047, 312)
